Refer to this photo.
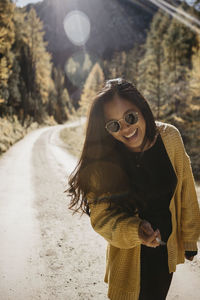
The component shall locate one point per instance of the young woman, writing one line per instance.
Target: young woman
(134, 180)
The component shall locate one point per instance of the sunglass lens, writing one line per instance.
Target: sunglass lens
(113, 126)
(131, 118)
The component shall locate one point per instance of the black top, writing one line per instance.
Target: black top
(154, 181)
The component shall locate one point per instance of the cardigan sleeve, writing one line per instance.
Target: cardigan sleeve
(190, 212)
(190, 208)
(106, 180)
(119, 231)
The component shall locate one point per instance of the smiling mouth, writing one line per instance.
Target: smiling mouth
(132, 135)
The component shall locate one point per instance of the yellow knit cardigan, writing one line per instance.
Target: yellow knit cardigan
(123, 249)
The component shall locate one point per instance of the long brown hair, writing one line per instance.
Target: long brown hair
(101, 153)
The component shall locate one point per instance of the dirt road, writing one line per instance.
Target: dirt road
(46, 253)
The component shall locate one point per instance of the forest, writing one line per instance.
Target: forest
(35, 91)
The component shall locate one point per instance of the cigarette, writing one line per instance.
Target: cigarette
(160, 242)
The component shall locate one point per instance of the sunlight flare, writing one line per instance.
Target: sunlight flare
(178, 14)
(77, 27)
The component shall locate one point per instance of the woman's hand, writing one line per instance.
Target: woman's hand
(148, 235)
(190, 254)
(189, 258)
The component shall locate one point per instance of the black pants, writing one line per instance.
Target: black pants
(155, 276)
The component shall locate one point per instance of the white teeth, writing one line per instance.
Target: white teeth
(128, 136)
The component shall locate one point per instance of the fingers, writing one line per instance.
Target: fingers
(151, 241)
(153, 244)
(158, 234)
(148, 235)
(189, 258)
(146, 227)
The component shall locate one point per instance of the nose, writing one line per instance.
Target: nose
(124, 125)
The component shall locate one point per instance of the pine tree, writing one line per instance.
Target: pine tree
(15, 81)
(117, 65)
(134, 57)
(151, 74)
(37, 73)
(178, 44)
(6, 57)
(62, 106)
(33, 64)
(72, 69)
(78, 68)
(124, 64)
(87, 64)
(14, 100)
(194, 73)
(92, 85)
(72, 66)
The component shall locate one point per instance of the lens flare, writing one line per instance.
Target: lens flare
(77, 27)
(79, 64)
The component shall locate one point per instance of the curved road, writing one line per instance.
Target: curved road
(46, 253)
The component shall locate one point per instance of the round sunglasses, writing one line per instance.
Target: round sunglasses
(114, 125)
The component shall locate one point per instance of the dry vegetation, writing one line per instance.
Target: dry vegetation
(74, 139)
(11, 130)
(189, 126)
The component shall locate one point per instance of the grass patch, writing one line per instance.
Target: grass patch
(73, 138)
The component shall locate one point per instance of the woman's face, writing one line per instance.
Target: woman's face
(131, 135)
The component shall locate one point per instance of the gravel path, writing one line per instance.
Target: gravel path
(46, 253)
